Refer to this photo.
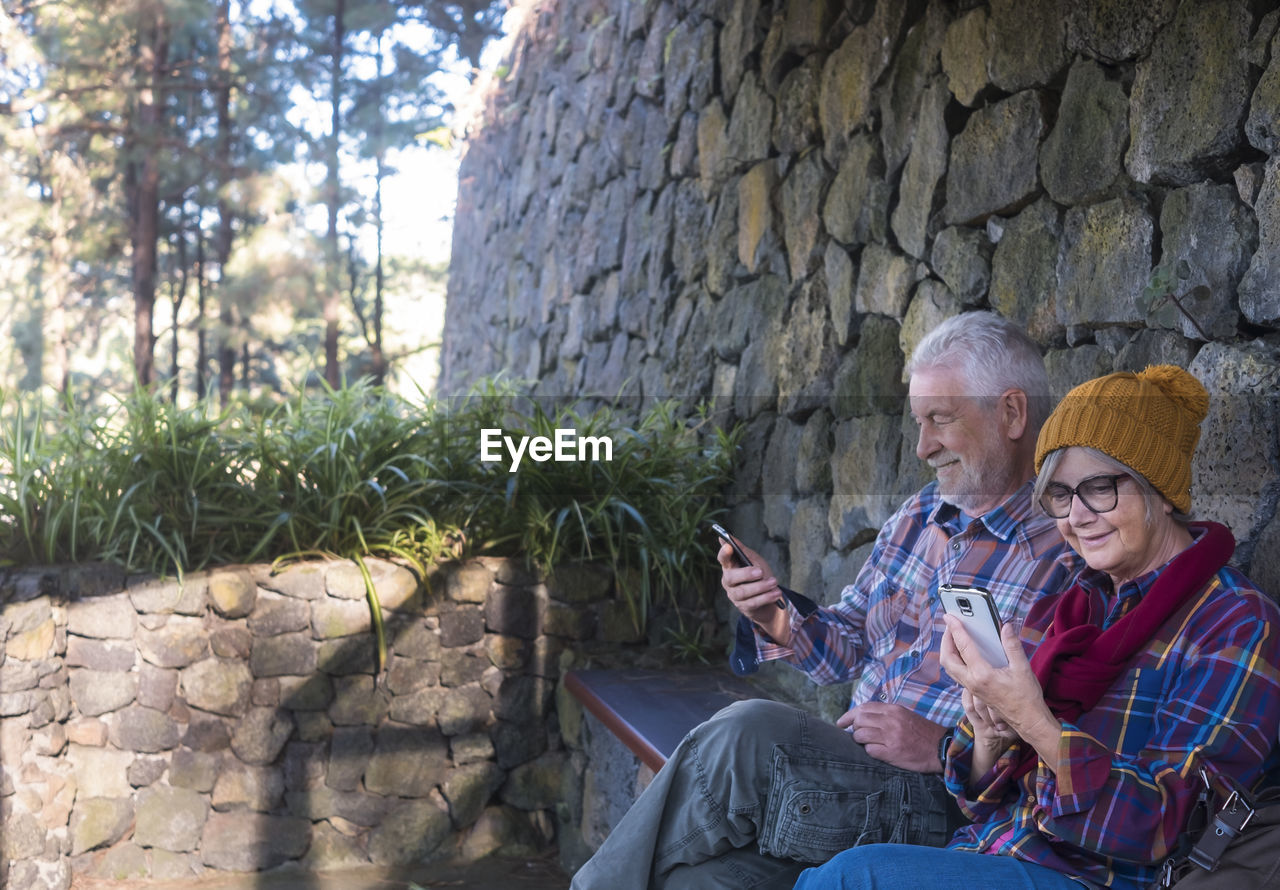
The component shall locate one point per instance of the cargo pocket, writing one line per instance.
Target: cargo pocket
(819, 806)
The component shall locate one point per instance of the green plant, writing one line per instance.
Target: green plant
(350, 475)
(172, 487)
(1162, 303)
(689, 645)
(37, 521)
(359, 472)
(641, 512)
(147, 485)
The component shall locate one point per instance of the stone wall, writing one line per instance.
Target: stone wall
(235, 722)
(601, 781)
(766, 204)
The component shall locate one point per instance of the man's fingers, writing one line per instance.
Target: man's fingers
(947, 646)
(754, 594)
(726, 557)
(722, 556)
(878, 751)
(745, 586)
(868, 737)
(960, 639)
(862, 716)
(733, 576)
(768, 599)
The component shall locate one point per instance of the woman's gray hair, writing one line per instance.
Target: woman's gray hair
(1154, 500)
(993, 354)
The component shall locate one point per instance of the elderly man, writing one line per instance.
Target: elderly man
(762, 789)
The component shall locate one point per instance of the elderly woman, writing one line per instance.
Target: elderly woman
(1079, 767)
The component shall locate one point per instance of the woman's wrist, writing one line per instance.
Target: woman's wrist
(987, 750)
(1043, 732)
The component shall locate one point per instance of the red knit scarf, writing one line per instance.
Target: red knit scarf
(1077, 661)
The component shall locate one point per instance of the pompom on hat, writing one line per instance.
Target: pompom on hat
(1150, 422)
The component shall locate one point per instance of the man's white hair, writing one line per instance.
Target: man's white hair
(993, 354)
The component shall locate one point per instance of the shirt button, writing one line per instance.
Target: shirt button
(882, 695)
(955, 545)
(1031, 800)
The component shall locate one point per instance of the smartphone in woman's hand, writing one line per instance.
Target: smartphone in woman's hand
(977, 612)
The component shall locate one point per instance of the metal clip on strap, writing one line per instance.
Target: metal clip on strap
(1227, 825)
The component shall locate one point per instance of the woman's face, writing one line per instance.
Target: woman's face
(1123, 542)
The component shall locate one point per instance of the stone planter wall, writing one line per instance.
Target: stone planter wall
(602, 779)
(765, 204)
(234, 722)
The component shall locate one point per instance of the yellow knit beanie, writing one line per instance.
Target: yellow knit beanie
(1150, 422)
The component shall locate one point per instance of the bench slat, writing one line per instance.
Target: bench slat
(650, 711)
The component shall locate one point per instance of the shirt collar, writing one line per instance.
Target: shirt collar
(1004, 521)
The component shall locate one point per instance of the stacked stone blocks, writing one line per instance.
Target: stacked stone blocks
(235, 721)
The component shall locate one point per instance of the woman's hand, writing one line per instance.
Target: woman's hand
(991, 734)
(988, 724)
(1007, 700)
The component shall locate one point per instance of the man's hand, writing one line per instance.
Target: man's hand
(754, 592)
(896, 735)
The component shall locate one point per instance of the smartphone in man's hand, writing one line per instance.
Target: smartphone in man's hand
(729, 539)
(738, 553)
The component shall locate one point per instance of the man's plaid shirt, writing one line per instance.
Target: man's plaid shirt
(884, 633)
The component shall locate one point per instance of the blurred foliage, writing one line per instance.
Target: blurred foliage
(245, 105)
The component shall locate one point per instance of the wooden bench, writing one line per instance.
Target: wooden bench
(650, 711)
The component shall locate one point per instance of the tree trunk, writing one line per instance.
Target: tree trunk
(379, 280)
(153, 56)
(222, 244)
(202, 336)
(333, 292)
(57, 284)
(179, 291)
(379, 277)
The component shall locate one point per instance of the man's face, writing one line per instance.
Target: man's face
(963, 438)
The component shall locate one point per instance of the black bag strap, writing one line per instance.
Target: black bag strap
(1234, 817)
(1197, 819)
(1205, 840)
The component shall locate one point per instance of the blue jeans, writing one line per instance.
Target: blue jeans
(756, 793)
(895, 866)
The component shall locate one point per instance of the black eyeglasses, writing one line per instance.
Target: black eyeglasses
(1098, 493)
